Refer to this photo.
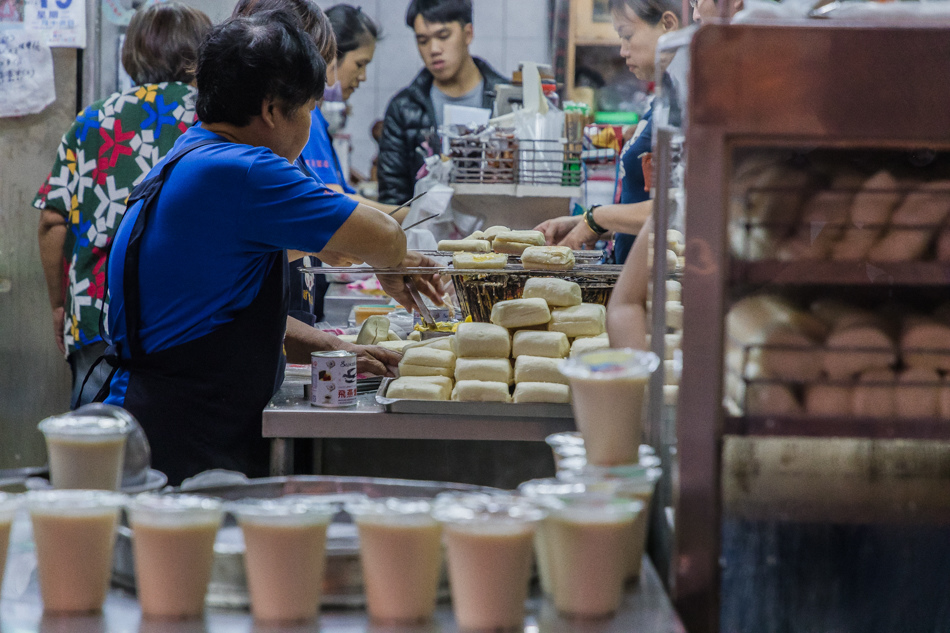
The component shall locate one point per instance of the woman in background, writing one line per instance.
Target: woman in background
(640, 23)
(107, 151)
(356, 36)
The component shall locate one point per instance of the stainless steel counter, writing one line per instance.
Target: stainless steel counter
(646, 609)
(289, 415)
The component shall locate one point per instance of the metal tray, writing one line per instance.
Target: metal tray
(491, 409)
(343, 579)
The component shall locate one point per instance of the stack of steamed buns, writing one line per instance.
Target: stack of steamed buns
(512, 359)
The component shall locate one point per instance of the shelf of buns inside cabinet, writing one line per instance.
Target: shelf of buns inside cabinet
(857, 273)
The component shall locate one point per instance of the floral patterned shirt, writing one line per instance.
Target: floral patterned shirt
(110, 149)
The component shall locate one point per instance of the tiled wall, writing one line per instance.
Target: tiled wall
(506, 32)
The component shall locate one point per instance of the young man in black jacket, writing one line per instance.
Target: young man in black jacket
(451, 75)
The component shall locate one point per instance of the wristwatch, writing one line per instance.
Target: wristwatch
(591, 223)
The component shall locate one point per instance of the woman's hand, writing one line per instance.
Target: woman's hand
(579, 237)
(373, 359)
(429, 285)
(557, 229)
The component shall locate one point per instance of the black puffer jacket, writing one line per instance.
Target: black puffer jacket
(410, 120)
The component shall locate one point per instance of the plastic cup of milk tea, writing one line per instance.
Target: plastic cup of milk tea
(74, 532)
(628, 482)
(588, 544)
(285, 553)
(173, 544)
(9, 504)
(608, 388)
(85, 451)
(401, 553)
(489, 547)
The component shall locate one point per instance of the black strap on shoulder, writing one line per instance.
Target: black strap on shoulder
(148, 190)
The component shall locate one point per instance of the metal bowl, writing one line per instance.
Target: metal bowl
(343, 580)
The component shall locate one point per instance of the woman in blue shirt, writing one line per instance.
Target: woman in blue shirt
(640, 23)
(198, 301)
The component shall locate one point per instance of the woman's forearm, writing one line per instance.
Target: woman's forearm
(623, 218)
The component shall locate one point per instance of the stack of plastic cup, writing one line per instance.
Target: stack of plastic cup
(173, 543)
(608, 388)
(489, 543)
(74, 532)
(285, 555)
(617, 518)
(588, 545)
(86, 452)
(571, 454)
(628, 482)
(401, 552)
(8, 507)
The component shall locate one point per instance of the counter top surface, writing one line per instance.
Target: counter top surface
(646, 609)
(289, 415)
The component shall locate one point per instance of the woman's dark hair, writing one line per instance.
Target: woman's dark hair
(650, 11)
(246, 60)
(352, 28)
(162, 43)
(312, 18)
(440, 11)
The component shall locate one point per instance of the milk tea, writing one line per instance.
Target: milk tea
(74, 532)
(85, 451)
(587, 546)
(401, 552)
(608, 388)
(284, 557)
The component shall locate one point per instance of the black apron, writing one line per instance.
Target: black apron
(200, 402)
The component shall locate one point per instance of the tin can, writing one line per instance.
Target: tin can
(333, 379)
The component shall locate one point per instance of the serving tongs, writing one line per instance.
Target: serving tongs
(420, 304)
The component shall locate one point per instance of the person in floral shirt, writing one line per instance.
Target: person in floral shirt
(108, 150)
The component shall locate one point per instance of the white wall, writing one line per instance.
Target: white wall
(506, 32)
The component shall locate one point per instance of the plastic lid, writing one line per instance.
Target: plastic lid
(95, 426)
(74, 502)
(565, 439)
(595, 508)
(177, 509)
(611, 364)
(392, 510)
(480, 508)
(9, 504)
(284, 511)
(551, 487)
(638, 479)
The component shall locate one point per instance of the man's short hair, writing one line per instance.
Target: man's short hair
(312, 19)
(439, 11)
(162, 42)
(246, 60)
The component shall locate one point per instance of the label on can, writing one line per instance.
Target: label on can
(333, 379)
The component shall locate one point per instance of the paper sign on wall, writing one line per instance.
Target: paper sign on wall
(64, 21)
(26, 73)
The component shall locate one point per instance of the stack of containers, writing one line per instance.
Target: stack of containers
(609, 387)
(544, 322)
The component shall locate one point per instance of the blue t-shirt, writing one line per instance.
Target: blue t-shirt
(320, 156)
(224, 211)
(632, 181)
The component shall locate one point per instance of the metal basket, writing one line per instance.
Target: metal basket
(479, 292)
(503, 159)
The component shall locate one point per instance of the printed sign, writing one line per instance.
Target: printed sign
(26, 73)
(64, 21)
